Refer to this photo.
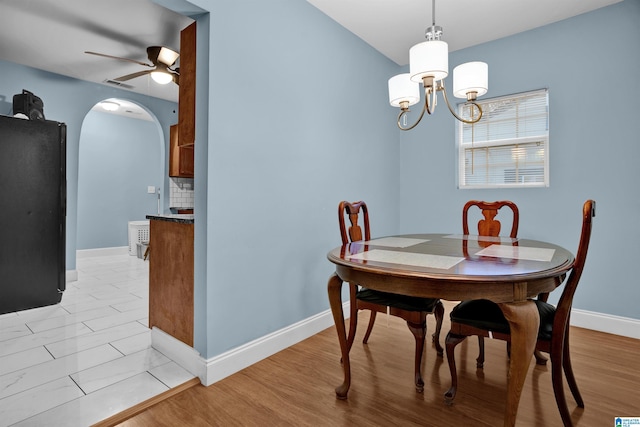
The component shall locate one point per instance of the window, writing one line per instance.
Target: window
(509, 146)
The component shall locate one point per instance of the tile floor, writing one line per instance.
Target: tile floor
(87, 358)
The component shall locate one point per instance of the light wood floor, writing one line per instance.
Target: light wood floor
(296, 386)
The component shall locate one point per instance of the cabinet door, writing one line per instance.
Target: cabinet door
(171, 279)
(186, 161)
(174, 152)
(187, 88)
(180, 158)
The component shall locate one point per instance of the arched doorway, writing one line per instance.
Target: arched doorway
(120, 172)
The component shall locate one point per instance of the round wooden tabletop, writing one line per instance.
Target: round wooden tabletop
(454, 267)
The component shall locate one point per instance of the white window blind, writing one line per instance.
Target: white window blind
(509, 146)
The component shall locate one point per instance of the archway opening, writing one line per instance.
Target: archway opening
(120, 172)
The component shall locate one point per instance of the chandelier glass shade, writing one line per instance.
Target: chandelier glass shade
(470, 77)
(430, 58)
(429, 66)
(402, 89)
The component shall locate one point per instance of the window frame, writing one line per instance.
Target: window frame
(509, 142)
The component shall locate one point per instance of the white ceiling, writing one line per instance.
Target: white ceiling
(393, 26)
(52, 35)
(125, 108)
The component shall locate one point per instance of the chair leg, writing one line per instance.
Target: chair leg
(451, 342)
(558, 386)
(419, 332)
(540, 358)
(353, 319)
(372, 320)
(568, 372)
(480, 359)
(439, 315)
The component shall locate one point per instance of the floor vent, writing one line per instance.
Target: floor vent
(119, 84)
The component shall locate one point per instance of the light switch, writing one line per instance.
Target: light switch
(151, 189)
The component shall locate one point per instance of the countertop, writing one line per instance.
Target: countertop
(180, 218)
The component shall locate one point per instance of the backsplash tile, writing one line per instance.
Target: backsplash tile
(181, 192)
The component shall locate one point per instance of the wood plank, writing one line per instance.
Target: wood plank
(296, 386)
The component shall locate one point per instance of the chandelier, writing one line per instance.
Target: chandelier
(429, 65)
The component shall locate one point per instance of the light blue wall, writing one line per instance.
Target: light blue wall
(296, 123)
(69, 100)
(119, 158)
(296, 118)
(590, 64)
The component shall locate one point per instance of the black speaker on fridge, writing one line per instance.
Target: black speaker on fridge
(28, 104)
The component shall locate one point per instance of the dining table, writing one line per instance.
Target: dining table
(507, 271)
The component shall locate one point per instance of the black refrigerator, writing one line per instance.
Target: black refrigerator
(32, 213)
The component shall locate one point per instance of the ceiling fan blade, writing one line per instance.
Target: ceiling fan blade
(119, 58)
(132, 75)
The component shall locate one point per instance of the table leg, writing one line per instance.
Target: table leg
(524, 321)
(353, 318)
(335, 301)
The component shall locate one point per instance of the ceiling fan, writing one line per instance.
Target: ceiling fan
(162, 59)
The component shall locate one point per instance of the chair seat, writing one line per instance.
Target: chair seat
(402, 302)
(484, 314)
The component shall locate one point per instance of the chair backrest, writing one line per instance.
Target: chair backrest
(489, 226)
(563, 309)
(354, 232)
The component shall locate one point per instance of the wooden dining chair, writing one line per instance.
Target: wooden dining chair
(489, 226)
(413, 310)
(484, 318)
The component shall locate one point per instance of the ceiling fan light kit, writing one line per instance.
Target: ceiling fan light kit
(429, 65)
(161, 77)
(166, 56)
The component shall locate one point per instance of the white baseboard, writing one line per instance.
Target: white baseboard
(218, 367)
(617, 325)
(71, 276)
(187, 357)
(89, 253)
(232, 361)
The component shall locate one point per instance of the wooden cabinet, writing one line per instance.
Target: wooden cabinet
(182, 136)
(181, 158)
(187, 88)
(171, 278)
